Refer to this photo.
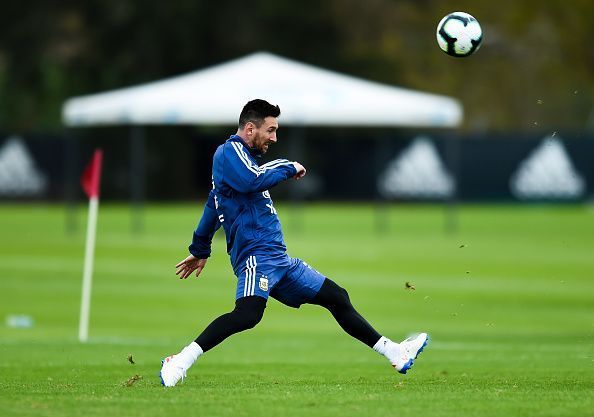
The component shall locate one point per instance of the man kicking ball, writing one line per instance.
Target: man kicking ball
(241, 203)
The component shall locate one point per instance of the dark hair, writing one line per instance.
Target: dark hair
(256, 111)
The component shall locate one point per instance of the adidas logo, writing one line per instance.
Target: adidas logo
(18, 175)
(547, 173)
(417, 172)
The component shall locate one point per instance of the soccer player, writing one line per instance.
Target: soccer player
(240, 202)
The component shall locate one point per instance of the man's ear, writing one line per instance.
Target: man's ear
(249, 128)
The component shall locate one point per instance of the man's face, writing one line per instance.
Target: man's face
(265, 135)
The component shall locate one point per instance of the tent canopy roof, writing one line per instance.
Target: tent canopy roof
(307, 95)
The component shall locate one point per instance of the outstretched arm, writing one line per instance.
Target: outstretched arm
(246, 177)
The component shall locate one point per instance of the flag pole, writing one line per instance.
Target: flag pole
(90, 181)
(85, 305)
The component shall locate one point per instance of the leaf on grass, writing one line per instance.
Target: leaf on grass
(130, 359)
(132, 380)
(409, 286)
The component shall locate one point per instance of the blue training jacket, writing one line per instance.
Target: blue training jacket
(240, 202)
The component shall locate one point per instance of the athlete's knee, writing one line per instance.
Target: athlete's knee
(249, 311)
(333, 296)
(342, 296)
(251, 318)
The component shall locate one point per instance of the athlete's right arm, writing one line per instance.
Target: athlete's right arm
(208, 225)
(201, 241)
(246, 177)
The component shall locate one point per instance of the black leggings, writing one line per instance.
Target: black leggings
(248, 312)
(336, 300)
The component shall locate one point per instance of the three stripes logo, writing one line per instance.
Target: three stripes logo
(250, 276)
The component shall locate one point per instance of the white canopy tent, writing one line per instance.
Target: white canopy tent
(307, 95)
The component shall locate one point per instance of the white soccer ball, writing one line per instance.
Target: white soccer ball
(459, 34)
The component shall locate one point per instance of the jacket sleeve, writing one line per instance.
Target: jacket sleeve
(208, 225)
(244, 176)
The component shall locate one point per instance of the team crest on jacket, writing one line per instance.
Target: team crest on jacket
(263, 284)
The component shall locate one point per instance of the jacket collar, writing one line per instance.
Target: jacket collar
(253, 151)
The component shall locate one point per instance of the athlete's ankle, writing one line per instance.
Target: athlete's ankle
(189, 355)
(384, 346)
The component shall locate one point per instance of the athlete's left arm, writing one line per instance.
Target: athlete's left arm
(246, 177)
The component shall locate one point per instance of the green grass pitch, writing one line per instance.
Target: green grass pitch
(508, 300)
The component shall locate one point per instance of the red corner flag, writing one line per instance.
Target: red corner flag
(91, 177)
(90, 180)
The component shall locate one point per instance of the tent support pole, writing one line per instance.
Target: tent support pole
(451, 206)
(296, 152)
(382, 216)
(70, 177)
(137, 174)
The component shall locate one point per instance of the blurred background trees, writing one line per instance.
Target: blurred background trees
(534, 70)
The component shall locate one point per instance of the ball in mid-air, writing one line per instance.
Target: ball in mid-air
(459, 34)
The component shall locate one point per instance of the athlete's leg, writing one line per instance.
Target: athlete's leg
(303, 284)
(401, 355)
(259, 276)
(247, 313)
(250, 302)
(337, 301)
